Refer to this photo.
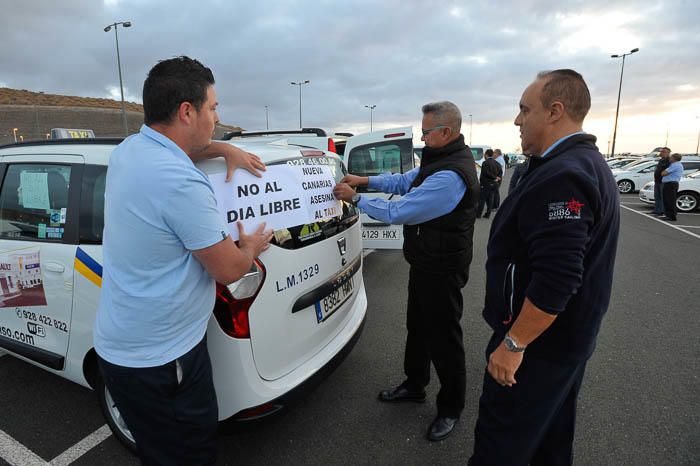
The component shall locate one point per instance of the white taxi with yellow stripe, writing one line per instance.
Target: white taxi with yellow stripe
(297, 312)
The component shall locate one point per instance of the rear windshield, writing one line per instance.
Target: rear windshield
(478, 153)
(300, 236)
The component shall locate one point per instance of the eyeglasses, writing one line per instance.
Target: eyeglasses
(429, 130)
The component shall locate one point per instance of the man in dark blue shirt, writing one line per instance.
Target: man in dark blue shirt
(549, 271)
(437, 211)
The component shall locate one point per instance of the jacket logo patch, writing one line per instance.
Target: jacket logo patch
(565, 210)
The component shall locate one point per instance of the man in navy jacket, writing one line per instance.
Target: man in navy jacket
(551, 254)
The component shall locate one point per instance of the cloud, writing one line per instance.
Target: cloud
(395, 54)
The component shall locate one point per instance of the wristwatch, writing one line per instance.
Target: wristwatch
(355, 199)
(512, 345)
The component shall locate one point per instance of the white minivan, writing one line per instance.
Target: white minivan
(279, 329)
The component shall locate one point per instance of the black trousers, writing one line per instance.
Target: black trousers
(670, 192)
(172, 413)
(435, 334)
(531, 422)
(487, 198)
(497, 196)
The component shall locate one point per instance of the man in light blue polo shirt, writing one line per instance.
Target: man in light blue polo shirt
(165, 244)
(670, 178)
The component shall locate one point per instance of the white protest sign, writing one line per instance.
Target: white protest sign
(285, 196)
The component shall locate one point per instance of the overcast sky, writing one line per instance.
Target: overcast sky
(396, 55)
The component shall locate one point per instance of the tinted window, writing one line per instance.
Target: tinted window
(383, 157)
(34, 202)
(691, 165)
(300, 236)
(478, 153)
(92, 204)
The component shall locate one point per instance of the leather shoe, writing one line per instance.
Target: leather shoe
(441, 427)
(401, 393)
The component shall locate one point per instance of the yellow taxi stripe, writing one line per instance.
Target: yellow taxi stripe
(87, 273)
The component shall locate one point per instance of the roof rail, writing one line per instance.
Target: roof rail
(246, 134)
(345, 134)
(53, 142)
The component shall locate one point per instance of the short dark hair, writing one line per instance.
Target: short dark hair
(569, 88)
(677, 157)
(171, 82)
(488, 153)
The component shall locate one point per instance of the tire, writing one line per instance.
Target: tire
(625, 186)
(687, 201)
(112, 416)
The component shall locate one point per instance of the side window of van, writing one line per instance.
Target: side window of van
(92, 204)
(34, 202)
(383, 157)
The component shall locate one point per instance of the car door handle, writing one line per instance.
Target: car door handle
(55, 267)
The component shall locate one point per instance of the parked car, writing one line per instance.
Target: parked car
(621, 162)
(273, 333)
(688, 198)
(635, 175)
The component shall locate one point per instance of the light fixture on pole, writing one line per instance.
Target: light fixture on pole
(300, 83)
(470, 129)
(619, 91)
(267, 120)
(126, 24)
(371, 110)
(14, 133)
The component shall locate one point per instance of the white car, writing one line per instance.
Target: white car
(383, 151)
(298, 311)
(621, 162)
(688, 198)
(634, 176)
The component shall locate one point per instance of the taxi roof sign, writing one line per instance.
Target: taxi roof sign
(67, 133)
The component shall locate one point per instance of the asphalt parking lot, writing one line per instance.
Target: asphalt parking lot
(638, 404)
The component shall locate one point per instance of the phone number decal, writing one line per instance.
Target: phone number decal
(42, 319)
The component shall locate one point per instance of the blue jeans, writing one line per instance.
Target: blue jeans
(658, 198)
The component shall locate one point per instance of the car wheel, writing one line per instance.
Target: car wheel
(687, 201)
(625, 186)
(113, 417)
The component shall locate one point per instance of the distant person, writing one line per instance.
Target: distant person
(664, 162)
(517, 174)
(507, 159)
(546, 293)
(671, 176)
(490, 176)
(498, 157)
(165, 247)
(437, 211)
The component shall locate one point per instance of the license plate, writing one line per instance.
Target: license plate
(336, 298)
(381, 234)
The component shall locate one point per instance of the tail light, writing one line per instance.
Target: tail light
(233, 302)
(331, 145)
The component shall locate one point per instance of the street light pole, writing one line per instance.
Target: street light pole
(470, 129)
(619, 92)
(300, 83)
(697, 146)
(125, 24)
(267, 120)
(371, 109)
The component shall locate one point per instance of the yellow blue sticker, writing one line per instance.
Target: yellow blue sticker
(88, 267)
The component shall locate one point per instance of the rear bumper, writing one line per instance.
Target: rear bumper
(239, 386)
(285, 401)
